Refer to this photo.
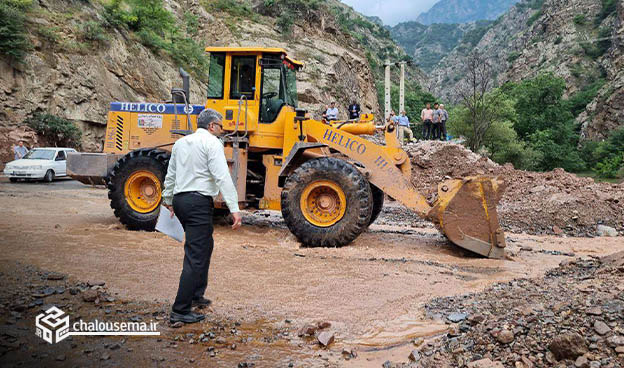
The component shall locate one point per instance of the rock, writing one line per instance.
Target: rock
(581, 362)
(60, 358)
(414, 356)
(325, 338)
(177, 324)
(601, 328)
(307, 330)
(89, 295)
(485, 363)
(55, 276)
(387, 364)
(568, 346)
(96, 283)
(115, 346)
(105, 356)
(505, 336)
(220, 340)
(557, 230)
(457, 317)
(324, 324)
(74, 290)
(603, 230)
(619, 350)
(594, 311)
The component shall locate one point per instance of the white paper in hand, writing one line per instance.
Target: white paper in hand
(168, 225)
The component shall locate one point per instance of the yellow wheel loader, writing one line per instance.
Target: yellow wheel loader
(327, 180)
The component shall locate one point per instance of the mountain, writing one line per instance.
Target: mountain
(577, 40)
(428, 44)
(465, 11)
(72, 58)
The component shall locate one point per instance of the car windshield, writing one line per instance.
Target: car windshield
(40, 154)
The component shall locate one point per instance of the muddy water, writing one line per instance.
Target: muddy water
(371, 291)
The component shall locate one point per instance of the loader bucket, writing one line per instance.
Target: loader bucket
(465, 212)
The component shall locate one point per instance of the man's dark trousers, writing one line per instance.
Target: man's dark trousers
(426, 129)
(443, 130)
(195, 212)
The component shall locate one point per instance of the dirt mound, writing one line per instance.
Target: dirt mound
(539, 203)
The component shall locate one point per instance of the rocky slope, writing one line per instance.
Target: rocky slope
(465, 11)
(428, 44)
(570, 38)
(67, 76)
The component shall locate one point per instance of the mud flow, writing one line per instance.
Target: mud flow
(370, 296)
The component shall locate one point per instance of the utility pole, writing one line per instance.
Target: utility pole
(387, 91)
(388, 105)
(402, 88)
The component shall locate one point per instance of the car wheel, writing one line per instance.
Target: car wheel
(49, 176)
(13, 180)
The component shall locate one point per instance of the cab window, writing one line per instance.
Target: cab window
(243, 77)
(216, 73)
(60, 156)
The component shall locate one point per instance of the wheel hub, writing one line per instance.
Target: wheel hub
(323, 203)
(142, 191)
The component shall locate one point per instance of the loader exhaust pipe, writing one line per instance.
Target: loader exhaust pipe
(186, 84)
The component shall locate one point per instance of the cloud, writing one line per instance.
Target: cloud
(391, 11)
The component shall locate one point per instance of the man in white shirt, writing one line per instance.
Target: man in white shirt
(197, 172)
(332, 112)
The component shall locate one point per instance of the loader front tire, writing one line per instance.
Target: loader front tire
(326, 202)
(135, 186)
(378, 201)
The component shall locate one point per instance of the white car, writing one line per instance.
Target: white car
(39, 163)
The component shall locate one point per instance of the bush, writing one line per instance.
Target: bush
(284, 24)
(580, 19)
(94, 31)
(534, 17)
(577, 102)
(608, 7)
(610, 167)
(14, 42)
(56, 130)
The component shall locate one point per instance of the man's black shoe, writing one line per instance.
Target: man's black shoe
(186, 318)
(202, 302)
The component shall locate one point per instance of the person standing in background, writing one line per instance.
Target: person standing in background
(443, 118)
(20, 150)
(426, 115)
(435, 122)
(354, 111)
(404, 128)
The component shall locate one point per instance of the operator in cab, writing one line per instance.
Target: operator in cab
(198, 172)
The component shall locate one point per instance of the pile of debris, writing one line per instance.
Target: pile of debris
(570, 317)
(554, 202)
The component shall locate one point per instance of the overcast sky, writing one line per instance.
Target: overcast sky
(391, 11)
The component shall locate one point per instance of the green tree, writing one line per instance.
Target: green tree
(14, 41)
(58, 131)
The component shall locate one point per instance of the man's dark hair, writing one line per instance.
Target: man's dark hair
(207, 117)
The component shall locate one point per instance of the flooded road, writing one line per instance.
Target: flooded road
(372, 291)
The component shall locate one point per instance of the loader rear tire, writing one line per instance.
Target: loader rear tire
(326, 202)
(378, 202)
(135, 185)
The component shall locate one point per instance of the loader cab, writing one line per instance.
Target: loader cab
(258, 82)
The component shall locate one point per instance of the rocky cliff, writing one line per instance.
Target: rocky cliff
(66, 75)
